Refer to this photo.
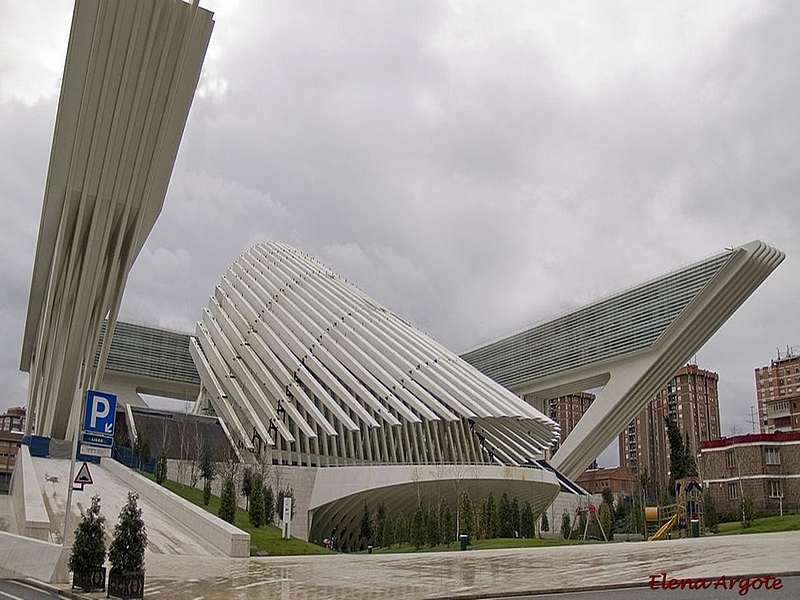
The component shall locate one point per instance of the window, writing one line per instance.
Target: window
(775, 488)
(730, 459)
(772, 456)
(733, 491)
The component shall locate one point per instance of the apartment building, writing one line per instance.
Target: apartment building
(764, 466)
(691, 399)
(778, 391)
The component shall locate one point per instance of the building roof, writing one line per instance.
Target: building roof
(150, 352)
(620, 324)
(779, 437)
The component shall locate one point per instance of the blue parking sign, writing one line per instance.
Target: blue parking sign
(100, 410)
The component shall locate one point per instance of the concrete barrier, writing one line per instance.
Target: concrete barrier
(231, 540)
(22, 557)
(33, 519)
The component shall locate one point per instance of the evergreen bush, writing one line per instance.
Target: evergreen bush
(466, 517)
(269, 505)
(710, 512)
(401, 529)
(527, 528)
(505, 519)
(417, 529)
(447, 531)
(432, 534)
(89, 547)
(748, 511)
(227, 500)
(256, 510)
(126, 553)
(545, 523)
(161, 467)
(565, 525)
(366, 526)
(247, 486)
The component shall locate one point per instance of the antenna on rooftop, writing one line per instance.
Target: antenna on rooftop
(752, 420)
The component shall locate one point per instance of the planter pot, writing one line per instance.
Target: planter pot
(90, 580)
(126, 584)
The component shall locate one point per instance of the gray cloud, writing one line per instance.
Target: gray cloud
(476, 168)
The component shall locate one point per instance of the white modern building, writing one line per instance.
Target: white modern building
(304, 366)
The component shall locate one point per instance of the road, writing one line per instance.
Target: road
(17, 590)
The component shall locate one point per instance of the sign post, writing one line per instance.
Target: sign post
(98, 424)
(98, 410)
(287, 518)
(84, 477)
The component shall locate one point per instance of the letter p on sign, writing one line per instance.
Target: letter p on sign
(100, 410)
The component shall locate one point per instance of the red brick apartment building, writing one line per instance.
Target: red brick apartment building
(764, 466)
(778, 390)
(12, 424)
(567, 411)
(691, 398)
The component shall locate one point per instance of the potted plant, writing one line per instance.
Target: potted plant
(126, 553)
(89, 551)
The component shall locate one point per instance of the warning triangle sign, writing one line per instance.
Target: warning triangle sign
(84, 477)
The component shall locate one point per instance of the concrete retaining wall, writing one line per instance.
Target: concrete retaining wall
(22, 557)
(566, 502)
(33, 520)
(299, 479)
(229, 539)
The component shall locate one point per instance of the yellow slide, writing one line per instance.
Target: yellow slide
(665, 529)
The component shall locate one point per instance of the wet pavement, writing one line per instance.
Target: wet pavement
(472, 574)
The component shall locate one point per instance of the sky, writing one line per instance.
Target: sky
(476, 167)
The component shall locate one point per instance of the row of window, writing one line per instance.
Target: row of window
(772, 456)
(775, 489)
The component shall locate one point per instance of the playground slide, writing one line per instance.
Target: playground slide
(665, 529)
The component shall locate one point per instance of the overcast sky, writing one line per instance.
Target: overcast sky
(476, 167)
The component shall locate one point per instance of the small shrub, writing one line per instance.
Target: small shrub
(161, 467)
(747, 511)
(227, 500)
(566, 529)
(256, 510)
(126, 553)
(89, 547)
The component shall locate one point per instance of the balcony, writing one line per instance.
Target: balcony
(776, 410)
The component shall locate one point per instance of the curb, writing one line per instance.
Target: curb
(47, 587)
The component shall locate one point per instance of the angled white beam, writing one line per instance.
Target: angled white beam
(129, 79)
(630, 343)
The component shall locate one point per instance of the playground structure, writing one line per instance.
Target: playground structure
(686, 514)
(588, 513)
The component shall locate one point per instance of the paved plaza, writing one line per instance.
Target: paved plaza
(472, 574)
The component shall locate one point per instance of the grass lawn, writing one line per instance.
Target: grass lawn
(763, 525)
(266, 539)
(493, 544)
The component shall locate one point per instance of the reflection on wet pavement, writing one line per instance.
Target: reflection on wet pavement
(438, 575)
